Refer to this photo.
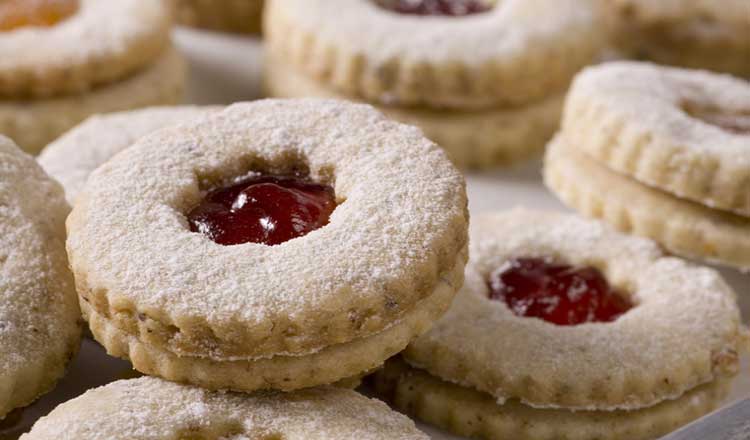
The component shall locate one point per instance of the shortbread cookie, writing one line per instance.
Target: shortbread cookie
(689, 229)
(33, 124)
(39, 316)
(699, 34)
(684, 132)
(94, 43)
(494, 54)
(150, 408)
(471, 413)
(370, 252)
(241, 16)
(566, 313)
(72, 157)
(472, 139)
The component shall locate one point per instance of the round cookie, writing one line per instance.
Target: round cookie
(472, 139)
(240, 16)
(684, 132)
(321, 307)
(71, 158)
(35, 123)
(691, 229)
(39, 317)
(688, 315)
(516, 52)
(150, 408)
(100, 43)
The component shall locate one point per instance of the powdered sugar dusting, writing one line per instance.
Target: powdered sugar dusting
(149, 408)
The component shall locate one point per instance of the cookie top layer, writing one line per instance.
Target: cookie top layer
(150, 408)
(399, 226)
(683, 131)
(39, 316)
(71, 158)
(684, 330)
(104, 41)
(519, 51)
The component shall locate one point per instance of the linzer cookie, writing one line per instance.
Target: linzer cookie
(680, 136)
(150, 408)
(64, 60)
(576, 331)
(278, 244)
(464, 71)
(39, 317)
(72, 157)
(701, 34)
(239, 16)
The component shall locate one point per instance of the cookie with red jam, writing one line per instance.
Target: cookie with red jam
(567, 329)
(279, 244)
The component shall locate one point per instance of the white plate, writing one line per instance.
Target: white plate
(226, 69)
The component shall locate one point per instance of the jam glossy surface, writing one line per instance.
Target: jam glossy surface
(455, 8)
(556, 293)
(266, 209)
(21, 13)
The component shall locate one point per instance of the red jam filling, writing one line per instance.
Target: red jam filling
(455, 8)
(556, 293)
(267, 209)
(20, 13)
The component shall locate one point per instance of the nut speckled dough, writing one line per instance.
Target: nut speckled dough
(393, 248)
(684, 331)
(468, 412)
(520, 51)
(472, 139)
(242, 16)
(690, 229)
(660, 125)
(153, 409)
(71, 158)
(705, 34)
(39, 316)
(35, 123)
(103, 42)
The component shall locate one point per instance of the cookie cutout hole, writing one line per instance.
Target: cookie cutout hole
(271, 204)
(555, 292)
(733, 122)
(449, 8)
(16, 14)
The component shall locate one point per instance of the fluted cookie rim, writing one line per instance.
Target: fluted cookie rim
(372, 271)
(101, 43)
(632, 117)
(38, 272)
(492, 65)
(468, 412)
(154, 408)
(33, 124)
(688, 315)
(72, 157)
(473, 139)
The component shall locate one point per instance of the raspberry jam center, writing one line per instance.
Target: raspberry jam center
(20, 13)
(455, 8)
(266, 209)
(556, 293)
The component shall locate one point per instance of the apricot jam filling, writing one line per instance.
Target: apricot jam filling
(15, 14)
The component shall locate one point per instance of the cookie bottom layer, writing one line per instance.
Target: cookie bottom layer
(471, 413)
(329, 365)
(473, 139)
(239, 16)
(33, 124)
(683, 227)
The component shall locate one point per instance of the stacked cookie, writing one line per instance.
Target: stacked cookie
(239, 16)
(65, 60)
(483, 79)
(661, 152)
(712, 35)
